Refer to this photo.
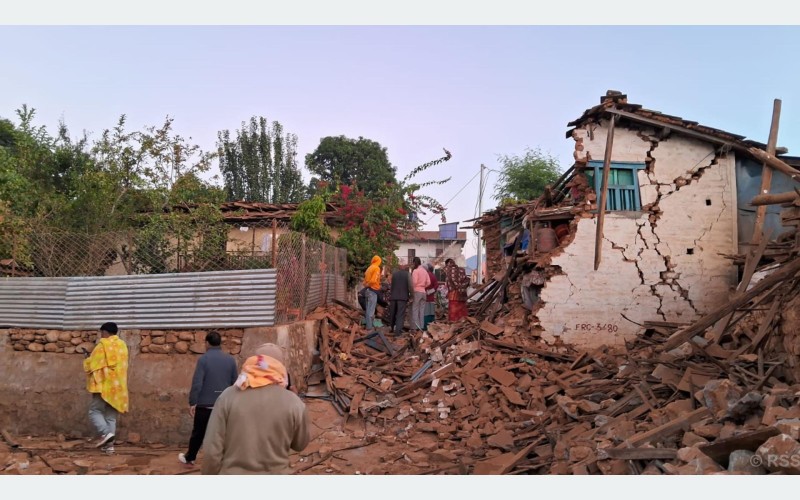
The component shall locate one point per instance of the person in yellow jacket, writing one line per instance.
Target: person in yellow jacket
(372, 283)
(107, 379)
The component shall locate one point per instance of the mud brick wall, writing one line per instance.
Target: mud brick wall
(665, 262)
(43, 388)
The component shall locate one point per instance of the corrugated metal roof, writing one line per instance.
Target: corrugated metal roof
(184, 300)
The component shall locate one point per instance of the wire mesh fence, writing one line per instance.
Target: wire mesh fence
(310, 272)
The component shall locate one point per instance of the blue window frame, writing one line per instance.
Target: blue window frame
(623, 184)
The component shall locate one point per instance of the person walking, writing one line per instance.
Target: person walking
(372, 283)
(106, 371)
(401, 292)
(257, 421)
(430, 297)
(457, 284)
(420, 281)
(215, 371)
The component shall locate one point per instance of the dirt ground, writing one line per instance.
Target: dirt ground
(337, 447)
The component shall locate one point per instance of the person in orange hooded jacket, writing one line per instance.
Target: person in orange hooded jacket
(372, 283)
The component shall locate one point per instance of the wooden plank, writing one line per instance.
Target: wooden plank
(786, 271)
(357, 397)
(425, 380)
(637, 454)
(751, 262)
(601, 208)
(721, 449)
(532, 350)
(766, 172)
(775, 163)
(10, 440)
(667, 429)
(775, 199)
(491, 328)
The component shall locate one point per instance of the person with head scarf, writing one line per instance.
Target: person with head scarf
(430, 299)
(257, 421)
(457, 284)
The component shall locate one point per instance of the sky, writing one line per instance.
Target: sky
(477, 91)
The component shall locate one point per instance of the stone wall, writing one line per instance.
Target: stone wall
(665, 262)
(43, 389)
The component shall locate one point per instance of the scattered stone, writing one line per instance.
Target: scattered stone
(780, 453)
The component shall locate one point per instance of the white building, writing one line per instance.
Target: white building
(434, 246)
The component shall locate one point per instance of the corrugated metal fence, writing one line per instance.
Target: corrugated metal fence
(184, 300)
(335, 287)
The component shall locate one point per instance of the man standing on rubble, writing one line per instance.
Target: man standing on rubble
(107, 380)
(401, 291)
(421, 282)
(215, 371)
(372, 283)
(257, 421)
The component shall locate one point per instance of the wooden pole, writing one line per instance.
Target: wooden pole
(775, 163)
(601, 209)
(253, 245)
(775, 199)
(274, 243)
(303, 274)
(766, 172)
(324, 269)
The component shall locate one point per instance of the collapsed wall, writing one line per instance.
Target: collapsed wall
(43, 390)
(664, 262)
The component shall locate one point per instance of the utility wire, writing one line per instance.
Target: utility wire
(454, 196)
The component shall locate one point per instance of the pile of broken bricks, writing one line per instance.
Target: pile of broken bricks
(502, 402)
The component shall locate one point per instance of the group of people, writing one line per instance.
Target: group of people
(416, 284)
(247, 420)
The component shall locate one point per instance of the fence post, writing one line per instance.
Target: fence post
(324, 269)
(14, 255)
(304, 275)
(336, 274)
(274, 243)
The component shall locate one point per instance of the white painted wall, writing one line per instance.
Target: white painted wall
(586, 307)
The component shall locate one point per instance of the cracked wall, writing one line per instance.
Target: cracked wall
(662, 263)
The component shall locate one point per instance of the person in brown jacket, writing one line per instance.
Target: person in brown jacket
(257, 421)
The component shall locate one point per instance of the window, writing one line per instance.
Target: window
(411, 254)
(439, 251)
(623, 184)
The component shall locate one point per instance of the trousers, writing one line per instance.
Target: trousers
(418, 310)
(201, 416)
(102, 415)
(397, 315)
(372, 303)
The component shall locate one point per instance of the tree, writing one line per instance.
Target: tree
(339, 161)
(372, 225)
(525, 177)
(260, 164)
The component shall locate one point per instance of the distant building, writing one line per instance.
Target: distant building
(434, 246)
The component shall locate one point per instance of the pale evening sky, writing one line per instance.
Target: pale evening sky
(477, 91)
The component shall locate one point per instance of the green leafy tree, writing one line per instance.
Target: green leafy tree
(525, 177)
(373, 225)
(341, 161)
(260, 164)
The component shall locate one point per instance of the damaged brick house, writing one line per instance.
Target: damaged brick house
(677, 214)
